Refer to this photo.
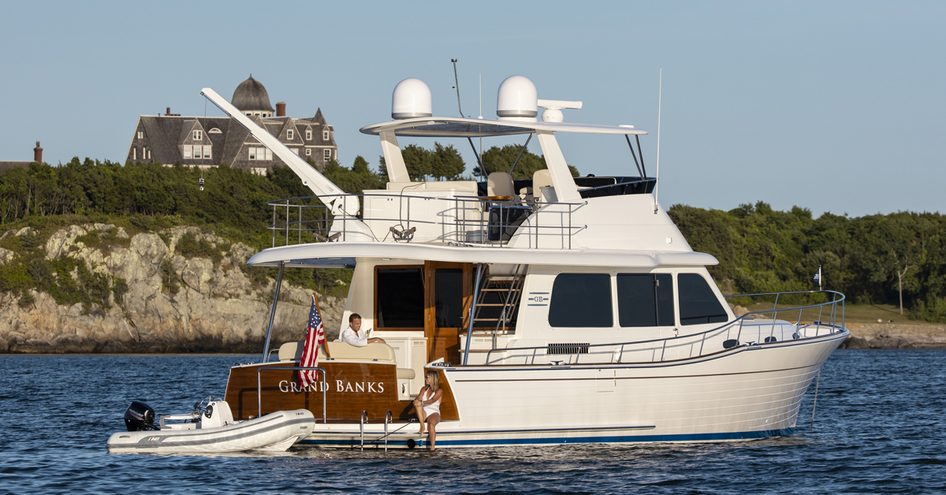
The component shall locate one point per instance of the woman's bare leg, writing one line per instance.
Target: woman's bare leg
(419, 407)
(432, 428)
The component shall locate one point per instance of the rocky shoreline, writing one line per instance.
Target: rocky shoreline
(896, 336)
(157, 297)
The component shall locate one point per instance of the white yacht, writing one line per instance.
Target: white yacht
(555, 309)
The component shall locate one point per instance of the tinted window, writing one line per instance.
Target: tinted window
(581, 300)
(645, 300)
(400, 297)
(449, 297)
(698, 303)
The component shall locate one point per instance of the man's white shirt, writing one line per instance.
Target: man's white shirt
(349, 336)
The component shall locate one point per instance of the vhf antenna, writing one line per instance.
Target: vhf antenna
(456, 86)
(660, 93)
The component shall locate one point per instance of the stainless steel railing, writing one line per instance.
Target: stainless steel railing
(754, 328)
(453, 220)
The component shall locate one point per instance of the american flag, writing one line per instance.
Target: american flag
(314, 337)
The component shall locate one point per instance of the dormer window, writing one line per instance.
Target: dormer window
(141, 134)
(215, 131)
(290, 135)
(198, 135)
(308, 134)
(326, 135)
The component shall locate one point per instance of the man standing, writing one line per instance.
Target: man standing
(353, 334)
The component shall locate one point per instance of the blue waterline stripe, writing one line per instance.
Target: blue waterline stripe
(694, 437)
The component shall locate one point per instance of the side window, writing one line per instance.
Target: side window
(581, 300)
(698, 303)
(400, 298)
(645, 299)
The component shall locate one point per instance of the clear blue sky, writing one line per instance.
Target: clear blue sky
(833, 106)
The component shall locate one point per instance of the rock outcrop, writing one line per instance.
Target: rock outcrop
(158, 299)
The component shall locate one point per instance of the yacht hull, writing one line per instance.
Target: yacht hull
(745, 393)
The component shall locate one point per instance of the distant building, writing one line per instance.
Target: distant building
(209, 141)
(37, 158)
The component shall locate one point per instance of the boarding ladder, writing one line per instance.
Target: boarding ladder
(498, 303)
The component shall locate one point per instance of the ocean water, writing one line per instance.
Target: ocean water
(878, 428)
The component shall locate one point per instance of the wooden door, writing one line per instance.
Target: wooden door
(448, 294)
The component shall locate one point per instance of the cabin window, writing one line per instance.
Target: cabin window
(645, 299)
(400, 298)
(581, 300)
(698, 302)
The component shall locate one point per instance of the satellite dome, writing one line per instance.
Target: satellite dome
(411, 99)
(517, 98)
(251, 96)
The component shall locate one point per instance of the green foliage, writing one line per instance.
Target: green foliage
(170, 280)
(505, 159)
(191, 246)
(442, 162)
(760, 249)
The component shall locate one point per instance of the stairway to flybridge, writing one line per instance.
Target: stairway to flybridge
(497, 306)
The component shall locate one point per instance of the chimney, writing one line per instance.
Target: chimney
(38, 153)
(280, 109)
(167, 111)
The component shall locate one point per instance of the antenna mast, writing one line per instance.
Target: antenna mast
(456, 86)
(660, 92)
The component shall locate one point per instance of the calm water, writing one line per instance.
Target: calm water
(877, 430)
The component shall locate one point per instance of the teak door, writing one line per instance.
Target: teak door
(448, 294)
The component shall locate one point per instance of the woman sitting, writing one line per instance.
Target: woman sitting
(427, 405)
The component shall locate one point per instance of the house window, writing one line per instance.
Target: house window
(215, 131)
(146, 150)
(260, 153)
(198, 135)
(581, 300)
(290, 135)
(698, 302)
(308, 134)
(645, 299)
(187, 152)
(134, 153)
(327, 154)
(326, 135)
(141, 135)
(308, 152)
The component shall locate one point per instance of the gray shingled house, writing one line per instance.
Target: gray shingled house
(210, 141)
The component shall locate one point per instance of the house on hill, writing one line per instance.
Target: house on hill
(11, 164)
(210, 141)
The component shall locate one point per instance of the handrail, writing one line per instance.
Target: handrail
(464, 220)
(662, 344)
(259, 386)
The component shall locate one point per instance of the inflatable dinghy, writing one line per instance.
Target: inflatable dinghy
(209, 429)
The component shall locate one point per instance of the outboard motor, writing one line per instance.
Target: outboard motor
(139, 417)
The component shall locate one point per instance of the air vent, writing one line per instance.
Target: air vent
(567, 348)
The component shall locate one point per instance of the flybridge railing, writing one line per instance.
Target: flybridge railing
(450, 220)
(760, 327)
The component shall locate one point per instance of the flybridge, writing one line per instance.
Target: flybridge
(550, 210)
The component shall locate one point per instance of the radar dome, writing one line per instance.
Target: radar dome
(517, 98)
(411, 99)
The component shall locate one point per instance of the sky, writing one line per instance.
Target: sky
(835, 106)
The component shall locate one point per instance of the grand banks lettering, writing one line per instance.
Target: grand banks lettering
(287, 386)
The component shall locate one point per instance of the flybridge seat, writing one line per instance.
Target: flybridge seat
(375, 353)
